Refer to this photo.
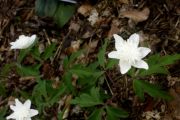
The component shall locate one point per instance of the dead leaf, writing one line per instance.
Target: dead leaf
(85, 9)
(124, 1)
(74, 26)
(91, 46)
(174, 104)
(74, 47)
(136, 15)
(114, 28)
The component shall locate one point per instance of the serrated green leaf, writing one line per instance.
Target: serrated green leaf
(157, 64)
(96, 115)
(67, 78)
(39, 95)
(22, 54)
(169, 59)
(7, 68)
(74, 56)
(115, 113)
(63, 14)
(111, 63)
(2, 89)
(28, 70)
(49, 51)
(88, 100)
(101, 54)
(83, 71)
(36, 54)
(3, 112)
(54, 94)
(155, 91)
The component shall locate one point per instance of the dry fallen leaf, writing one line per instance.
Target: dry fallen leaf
(114, 28)
(174, 104)
(124, 1)
(136, 15)
(85, 9)
(74, 26)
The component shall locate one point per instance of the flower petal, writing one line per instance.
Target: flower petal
(12, 107)
(27, 104)
(33, 37)
(124, 66)
(33, 112)
(134, 39)
(141, 64)
(144, 51)
(12, 116)
(18, 103)
(118, 41)
(114, 54)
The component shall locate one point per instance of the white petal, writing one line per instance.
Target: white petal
(134, 39)
(124, 66)
(12, 116)
(33, 37)
(23, 42)
(27, 104)
(144, 51)
(18, 103)
(118, 41)
(114, 54)
(14, 108)
(33, 112)
(141, 64)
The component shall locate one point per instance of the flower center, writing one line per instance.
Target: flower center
(129, 52)
(22, 113)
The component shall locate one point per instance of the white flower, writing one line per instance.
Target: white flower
(22, 111)
(129, 53)
(23, 42)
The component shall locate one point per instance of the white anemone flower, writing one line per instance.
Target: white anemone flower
(22, 111)
(128, 53)
(23, 42)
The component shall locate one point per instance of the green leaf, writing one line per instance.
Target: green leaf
(88, 100)
(96, 115)
(111, 63)
(3, 111)
(101, 54)
(40, 6)
(83, 71)
(74, 56)
(141, 87)
(68, 81)
(49, 51)
(157, 64)
(22, 54)
(36, 54)
(6, 69)
(2, 89)
(54, 94)
(50, 7)
(63, 14)
(28, 70)
(39, 95)
(115, 113)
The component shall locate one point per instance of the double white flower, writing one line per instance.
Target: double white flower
(128, 53)
(23, 42)
(22, 111)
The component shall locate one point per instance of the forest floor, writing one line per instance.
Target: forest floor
(157, 22)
